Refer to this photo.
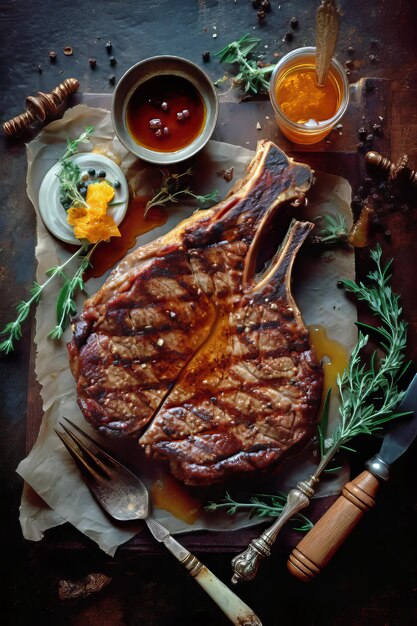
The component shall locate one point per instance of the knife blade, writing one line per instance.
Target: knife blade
(236, 610)
(321, 543)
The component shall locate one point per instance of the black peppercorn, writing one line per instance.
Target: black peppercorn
(92, 62)
(350, 50)
(116, 184)
(112, 79)
(101, 174)
(52, 56)
(266, 6)
(294, 22)
(261, 15)
(362, 132)
(40, 69)
(109, 47)
(91, 171)
(206, 56)
(112, 61)
(373, 58)
(339, 284)
(377, 128)
(288, 36)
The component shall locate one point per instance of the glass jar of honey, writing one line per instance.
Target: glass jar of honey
(306, 112)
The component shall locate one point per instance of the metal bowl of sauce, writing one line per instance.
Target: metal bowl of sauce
(165, 109)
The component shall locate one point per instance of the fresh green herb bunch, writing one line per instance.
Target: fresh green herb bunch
(69, 174)
(260, 505)
(369, 395)
(170, 191)
(251, 77)
(65, 303)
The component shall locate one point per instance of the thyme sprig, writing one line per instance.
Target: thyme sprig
(170, 191)
(250, 76)
(333, 231)
(13, 330)
(260, 505)
(69, 173)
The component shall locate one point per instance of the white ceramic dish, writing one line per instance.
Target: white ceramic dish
(53, 213)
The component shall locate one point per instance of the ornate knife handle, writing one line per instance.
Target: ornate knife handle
(246, 564)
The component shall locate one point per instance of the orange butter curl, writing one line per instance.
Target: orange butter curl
(91, 222)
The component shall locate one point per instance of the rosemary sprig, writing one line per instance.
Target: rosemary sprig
(251, 77)
(13, 330)
(170, 190)
(256, 506)
(333, 231)
(369, 395)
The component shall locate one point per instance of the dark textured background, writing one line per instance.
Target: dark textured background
(373, 580)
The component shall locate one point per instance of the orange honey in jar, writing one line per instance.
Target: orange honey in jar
(306, 112)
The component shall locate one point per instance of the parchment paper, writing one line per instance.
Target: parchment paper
(55, 491)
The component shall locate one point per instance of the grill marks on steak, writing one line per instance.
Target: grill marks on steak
(251, 391)
(182, 335)
(139, 342)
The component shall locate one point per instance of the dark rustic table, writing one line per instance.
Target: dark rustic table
(373, 580)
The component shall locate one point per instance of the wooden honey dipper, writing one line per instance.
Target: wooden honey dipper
(42, 106)
(394, 169)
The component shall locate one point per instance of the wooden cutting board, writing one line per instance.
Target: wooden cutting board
(238, 124)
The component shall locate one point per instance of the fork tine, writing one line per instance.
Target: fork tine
(77, 455)
(105, 460)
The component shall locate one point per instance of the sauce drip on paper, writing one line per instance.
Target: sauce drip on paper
(333, 355)
(134, 224)
(172, 496)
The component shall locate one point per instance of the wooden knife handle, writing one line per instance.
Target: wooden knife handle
(321, 543)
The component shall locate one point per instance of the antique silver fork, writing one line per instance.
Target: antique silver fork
(123, 496)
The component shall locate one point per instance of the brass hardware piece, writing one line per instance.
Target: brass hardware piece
(42, 106)
(398, 170)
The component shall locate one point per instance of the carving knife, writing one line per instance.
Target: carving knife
(237, 611)
(320, 544)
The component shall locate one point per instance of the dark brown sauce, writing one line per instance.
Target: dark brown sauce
(170, 495)
(153, 109)
(134, 224)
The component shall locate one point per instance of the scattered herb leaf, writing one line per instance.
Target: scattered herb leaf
(170, 191)
(250, 76)
(333, 231)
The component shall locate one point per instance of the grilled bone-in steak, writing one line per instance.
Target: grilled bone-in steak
(184, 337)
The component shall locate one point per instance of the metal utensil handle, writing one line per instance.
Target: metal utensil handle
(246, 564)
(236, 610)
(327, 28)
(321, 543)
